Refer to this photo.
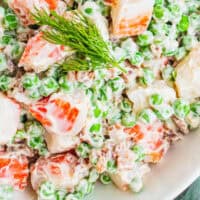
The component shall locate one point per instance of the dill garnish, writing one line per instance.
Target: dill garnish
(82, 35)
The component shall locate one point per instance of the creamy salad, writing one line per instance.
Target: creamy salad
(94, 91)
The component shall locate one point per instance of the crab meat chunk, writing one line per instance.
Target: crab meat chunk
(62, 114)
(131, 17)
(9, 118)
(151, 138)
(188, 73)
(14, 170)
(40, 54)
(63, 170)
(24, 8)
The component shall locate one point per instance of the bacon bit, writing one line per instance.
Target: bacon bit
(52, 4)
(42, 109)
(111, 2)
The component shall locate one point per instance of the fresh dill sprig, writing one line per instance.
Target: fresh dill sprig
(82, 35)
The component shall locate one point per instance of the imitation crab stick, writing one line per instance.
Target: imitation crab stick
(14, 170)
(130, 17)
(40, 54)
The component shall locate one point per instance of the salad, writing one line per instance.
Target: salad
(94, 91)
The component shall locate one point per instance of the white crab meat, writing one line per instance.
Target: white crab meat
(40, 54)
(9, 118)
(130, 17)
(24, 8)
(188, 73)
(63, 170)
(96, 16)
(140, 95)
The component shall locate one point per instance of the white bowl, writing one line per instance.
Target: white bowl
(179, 168)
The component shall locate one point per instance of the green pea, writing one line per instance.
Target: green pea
(105, 179)
(148, 77)
(16, 51)
(34, 94)
(164, 112)
(126, 105)
(97, 112)
(10, 21)
(95, 128)
(47, 190)
(180, 53)
(3, 62)
(60, 195)
(7, 39)
(195, 108)
(5, 82)
(64, 84)
(36, 142)
(146, 53)
(169, 73)
(181, 108)
(147, 116)
(159, 11)
(83, 150)
(94, 175)
(116, 84)
(88, 11)
(84, 187)
(48, 86)
(155, 99)
(111, 166)
(6, 192)
(128, 120)
(139, 151)
(145, 39)
(30, 81)
(136, 59)
(183, 24)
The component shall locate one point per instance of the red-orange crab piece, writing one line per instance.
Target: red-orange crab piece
(40, 54)
(61, 114)
(14, 170)
(130, 17)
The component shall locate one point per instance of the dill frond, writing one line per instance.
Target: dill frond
(82, 35)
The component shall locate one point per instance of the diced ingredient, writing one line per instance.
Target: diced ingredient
(9, 118)
(131, 17)
(40, 54)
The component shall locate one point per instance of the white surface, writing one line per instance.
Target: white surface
(177, 171)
